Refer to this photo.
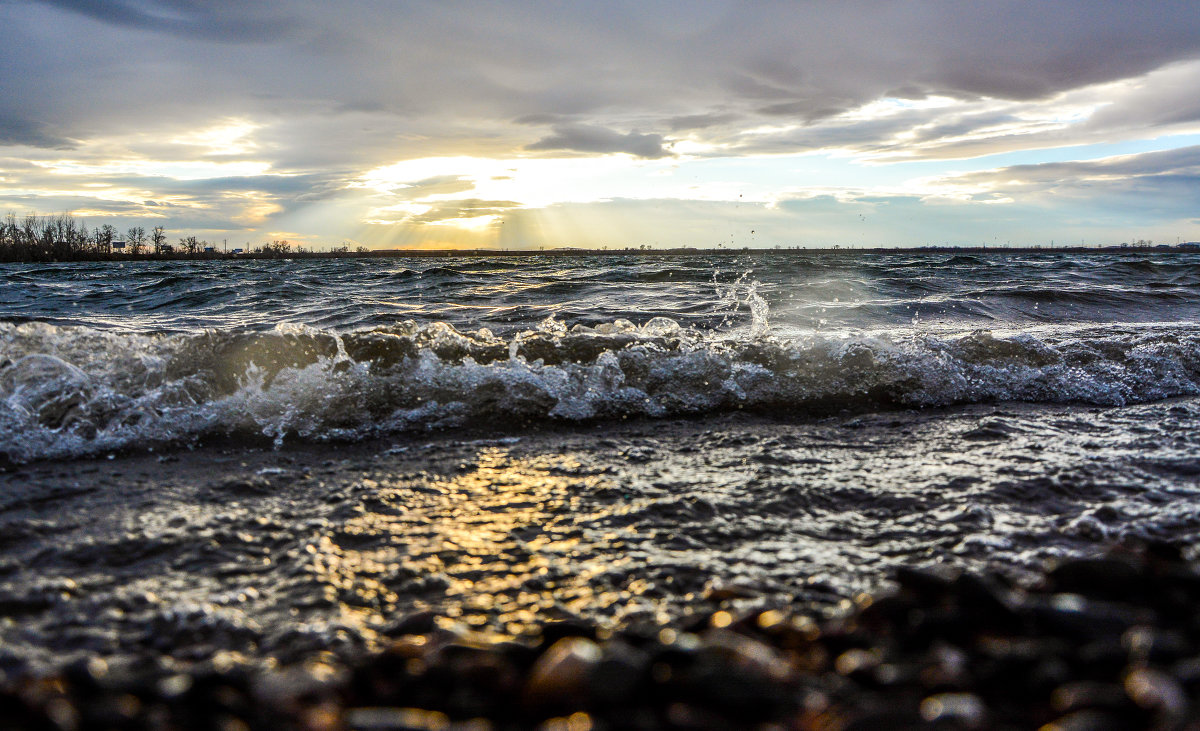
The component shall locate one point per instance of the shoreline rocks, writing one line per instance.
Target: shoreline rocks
(1103, 642)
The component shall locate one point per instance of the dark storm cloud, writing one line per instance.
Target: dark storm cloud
(16, 131)
(403, 72)
(585, 138)
(211, 19)
(541, 119)
(700, 121)
(313, 186)
(805, 110)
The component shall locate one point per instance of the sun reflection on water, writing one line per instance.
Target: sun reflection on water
(496, 547)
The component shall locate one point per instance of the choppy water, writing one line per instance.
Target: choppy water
(97, 357)
(644, 436)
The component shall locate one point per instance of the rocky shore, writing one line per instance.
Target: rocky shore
(1109, 642)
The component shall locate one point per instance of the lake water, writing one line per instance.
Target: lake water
(336, 443)
(97, 357)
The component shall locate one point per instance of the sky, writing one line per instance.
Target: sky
(520, 124)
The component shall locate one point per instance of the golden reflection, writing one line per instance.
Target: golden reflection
(497, 547)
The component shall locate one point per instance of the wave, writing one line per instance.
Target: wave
(966, 260)
(73, 390)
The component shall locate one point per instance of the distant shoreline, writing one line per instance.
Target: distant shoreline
(571, 252)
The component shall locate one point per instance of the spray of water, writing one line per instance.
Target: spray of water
(738, 295)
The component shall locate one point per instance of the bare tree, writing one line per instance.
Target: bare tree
(79, 239)
(277, 247)
(190, 244)
(158, 239)
(136, 236)
(29, 227)
(103, 236)
(9, 243)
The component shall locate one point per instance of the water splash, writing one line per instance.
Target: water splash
(75, 390)
(758, 310)
(741, 293)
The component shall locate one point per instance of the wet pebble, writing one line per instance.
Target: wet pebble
(561, 676)
(944, 650)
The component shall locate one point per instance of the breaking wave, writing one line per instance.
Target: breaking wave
(76, 390)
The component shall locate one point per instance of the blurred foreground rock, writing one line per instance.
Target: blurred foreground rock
(1097, 643)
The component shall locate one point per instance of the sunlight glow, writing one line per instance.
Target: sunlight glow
(527, 181)
(890, 106)
(227, 138)
(473, 223)
(176, 169)
(927, 150)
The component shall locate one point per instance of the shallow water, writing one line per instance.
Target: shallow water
(284, 553)
(337, 444)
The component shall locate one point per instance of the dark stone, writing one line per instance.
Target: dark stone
(1078, 617)
(1103, 578)
(926, 583)
(419, 623)
(394, 719)
(1090, 720)
(621, 676)
(1154, 645)
(560, 680)
(945, 651)
(554, 631)
(993, 606)
(1080, 695)
(1103, 657)
(886, 719)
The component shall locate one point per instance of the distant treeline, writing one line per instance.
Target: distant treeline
(36, 238)
(62, 238)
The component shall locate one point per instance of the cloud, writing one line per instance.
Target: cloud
(16, 131)
(541, 118)
(700, 121)
(586, 138)
(215, 20)
(451, 71)
(328, 99)
(1160, 188)
(895, 128)
(436, 185)
(468, 208)
(1120, 169)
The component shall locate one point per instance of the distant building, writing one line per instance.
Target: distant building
(118, 244)
(238, 251)
(210, 249)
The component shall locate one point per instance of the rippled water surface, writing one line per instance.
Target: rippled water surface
(104, 356)
(338, 443)
(818, 290)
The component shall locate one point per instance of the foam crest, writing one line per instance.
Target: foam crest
(74, 390)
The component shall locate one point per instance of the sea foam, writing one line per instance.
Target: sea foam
(74, 390)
